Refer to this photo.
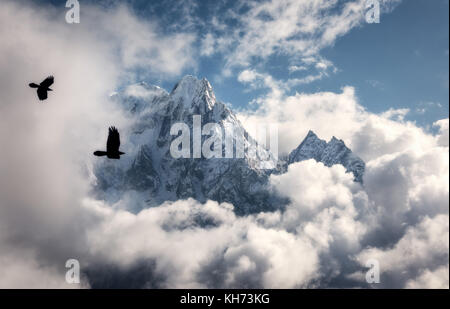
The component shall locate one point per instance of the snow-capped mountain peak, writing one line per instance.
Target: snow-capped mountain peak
(198, 94)
(333, 152)
(151, 174)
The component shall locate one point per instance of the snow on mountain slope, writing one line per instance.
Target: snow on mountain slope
(333, 152)
(148, 174)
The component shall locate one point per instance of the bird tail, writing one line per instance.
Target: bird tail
(100, 153)
(33, 85)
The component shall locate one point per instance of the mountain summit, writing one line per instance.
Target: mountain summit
(150, 175)
(331, 153)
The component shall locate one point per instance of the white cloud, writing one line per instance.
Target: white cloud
(331, 227)
(207, 47)
(22, 268)
(406, 182)
(302, 28)
(443, 137)
(418, 257)
(325, 113)
(298, 30)
(141, 43)
(322, 238)
(43, 173)
(247, 76)
(204, 234)
(336, 114)
(295, 68)
(327, 208)
(437, 279)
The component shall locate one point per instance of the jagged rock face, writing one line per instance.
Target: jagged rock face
(331, 153)
(152, 175)
(150, 169)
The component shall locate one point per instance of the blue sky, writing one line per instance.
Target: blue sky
(402, 62)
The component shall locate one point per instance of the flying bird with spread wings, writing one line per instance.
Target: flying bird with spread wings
(112, 145)
(43, 87)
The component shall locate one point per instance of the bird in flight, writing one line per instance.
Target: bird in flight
(112, 145)
(43, 87)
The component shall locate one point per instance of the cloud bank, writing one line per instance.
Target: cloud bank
(250, 33)
(47, 147)
(323, 238)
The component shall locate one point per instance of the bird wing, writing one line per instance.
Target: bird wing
(42, 93)
(113, 143)
(47, 82)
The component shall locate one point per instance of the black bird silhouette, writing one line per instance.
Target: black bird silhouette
(43, 87)
(112, 145)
